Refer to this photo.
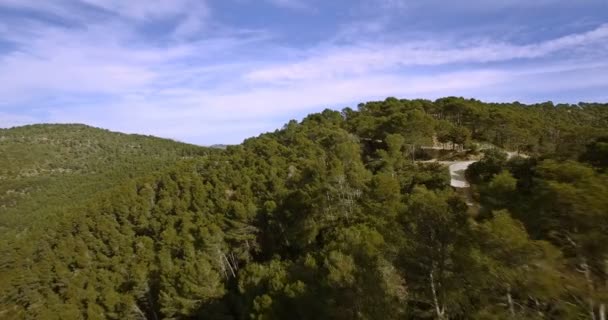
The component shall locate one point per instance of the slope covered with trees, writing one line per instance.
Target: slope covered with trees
(332, 217)
(45, 168)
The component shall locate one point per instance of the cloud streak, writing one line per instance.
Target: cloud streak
(369, 57)
(290, 4)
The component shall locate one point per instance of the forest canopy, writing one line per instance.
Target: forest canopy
(342, 215)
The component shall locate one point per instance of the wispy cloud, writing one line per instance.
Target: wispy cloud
(291, 4)
(477, 5)
(369, 57)
(145, 9)
(134, 9)
(191, 15)
(53, 7)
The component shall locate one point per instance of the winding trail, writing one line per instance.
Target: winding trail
(457, 174)
(457, 169)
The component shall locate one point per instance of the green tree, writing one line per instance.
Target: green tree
(434, 226)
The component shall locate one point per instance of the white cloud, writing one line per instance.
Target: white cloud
(104, 59)
(360, 59)
(94, 61)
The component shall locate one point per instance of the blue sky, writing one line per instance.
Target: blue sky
(219, 71)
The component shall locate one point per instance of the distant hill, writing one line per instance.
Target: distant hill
(46, 167)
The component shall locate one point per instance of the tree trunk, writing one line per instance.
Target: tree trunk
(602, 311)
(510, 301)
(140, 313)
(587, 272)
(439, 311)
(413, 153)
(229, 265)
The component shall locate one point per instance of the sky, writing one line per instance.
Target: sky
(219, 71)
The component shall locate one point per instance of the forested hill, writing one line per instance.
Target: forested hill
(46, 168)
(338, 216)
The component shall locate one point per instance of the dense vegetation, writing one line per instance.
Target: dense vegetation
(332, 217)
(45, 168)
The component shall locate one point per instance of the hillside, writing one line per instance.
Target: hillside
(331, 217)
(45, 168)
